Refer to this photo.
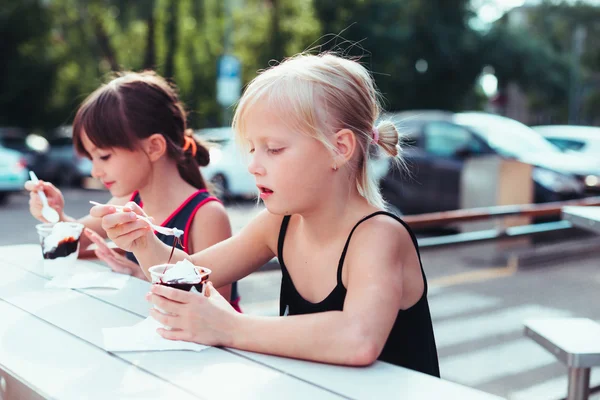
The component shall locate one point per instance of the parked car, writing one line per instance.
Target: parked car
(583, 139)
(438, 144)
(228, 168)
(61, 165)
(19, 139)
(13, 172)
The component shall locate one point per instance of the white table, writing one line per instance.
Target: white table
(51, 346)
(583, 217)
(573, 341)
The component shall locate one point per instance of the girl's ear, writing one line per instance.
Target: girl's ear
(155, 146)
(345, 144)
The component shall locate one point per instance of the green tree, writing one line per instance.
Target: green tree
(529, 61)
(266, 31)
(558, 22)
(423, 54)
(28, 67)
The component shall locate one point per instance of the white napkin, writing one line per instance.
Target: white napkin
(86, 280)
(143, 337)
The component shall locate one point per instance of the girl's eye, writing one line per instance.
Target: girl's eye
(104, 158)
(275, 151)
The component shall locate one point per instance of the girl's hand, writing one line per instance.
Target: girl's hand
(55, 199)
(208, 319)
(123, 227)
(117, 262)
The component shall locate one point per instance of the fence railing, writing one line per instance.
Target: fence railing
(445, 218)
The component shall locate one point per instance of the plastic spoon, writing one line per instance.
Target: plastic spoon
(48, 212)
(160, 229)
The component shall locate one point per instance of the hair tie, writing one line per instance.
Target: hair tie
(375, 135)
(189, 142)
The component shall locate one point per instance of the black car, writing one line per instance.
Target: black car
(61, 164)
(438, 143)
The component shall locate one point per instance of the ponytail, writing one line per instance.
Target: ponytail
(194, 154)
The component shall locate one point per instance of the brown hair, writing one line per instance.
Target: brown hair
(134, 106)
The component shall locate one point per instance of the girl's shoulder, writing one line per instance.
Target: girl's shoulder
(383, 232)
(211, 211)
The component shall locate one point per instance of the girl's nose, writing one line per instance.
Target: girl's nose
(96, 172)
(255, 167)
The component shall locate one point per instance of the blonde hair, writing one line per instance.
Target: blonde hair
(326, 93)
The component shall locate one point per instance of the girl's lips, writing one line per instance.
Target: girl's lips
(265, 192)
(265, 195)
(108, 184)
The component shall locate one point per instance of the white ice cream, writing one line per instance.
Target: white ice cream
(61, 231)
(182, 272)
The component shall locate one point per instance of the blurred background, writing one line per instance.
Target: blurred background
(497, 101)
(532, 61)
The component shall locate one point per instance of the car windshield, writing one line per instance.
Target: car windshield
(61, 141)
(14, 143)
(506, 136)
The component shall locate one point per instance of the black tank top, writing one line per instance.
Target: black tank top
(411, 343)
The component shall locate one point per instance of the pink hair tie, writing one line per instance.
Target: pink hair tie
(375, 135)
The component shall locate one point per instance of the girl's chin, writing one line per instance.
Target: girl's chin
(276, 209)
(118, 192)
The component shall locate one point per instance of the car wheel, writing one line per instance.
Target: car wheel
(3, 198)
(221, 186)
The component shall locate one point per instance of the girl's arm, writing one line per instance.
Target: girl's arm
(381, 255)
(209, 227)
(230, 260)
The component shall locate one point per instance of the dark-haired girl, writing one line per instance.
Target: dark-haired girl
(134, 130)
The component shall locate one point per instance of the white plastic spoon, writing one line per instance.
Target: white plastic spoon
(48, 212)
(161, 229)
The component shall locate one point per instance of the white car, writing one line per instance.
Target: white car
(583, 139)
(13, 172)
(228, 167)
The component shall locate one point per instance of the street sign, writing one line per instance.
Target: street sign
(229, 80)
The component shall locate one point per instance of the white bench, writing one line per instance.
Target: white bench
(575, 342)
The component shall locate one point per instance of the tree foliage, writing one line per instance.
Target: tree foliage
(423, 54)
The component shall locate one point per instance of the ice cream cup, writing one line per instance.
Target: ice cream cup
(60, 246)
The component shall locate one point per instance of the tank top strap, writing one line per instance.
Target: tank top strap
(136, 198)
(282, 231)
(343, 256)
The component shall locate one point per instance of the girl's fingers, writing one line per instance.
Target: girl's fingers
(130, 237)
(174, 334)
(102, 210)
(132, 206)
(34, 187)
(93, 236)
(110, 221)
(172, 321)
(175, 295)
(101, 255)
(121, 270)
